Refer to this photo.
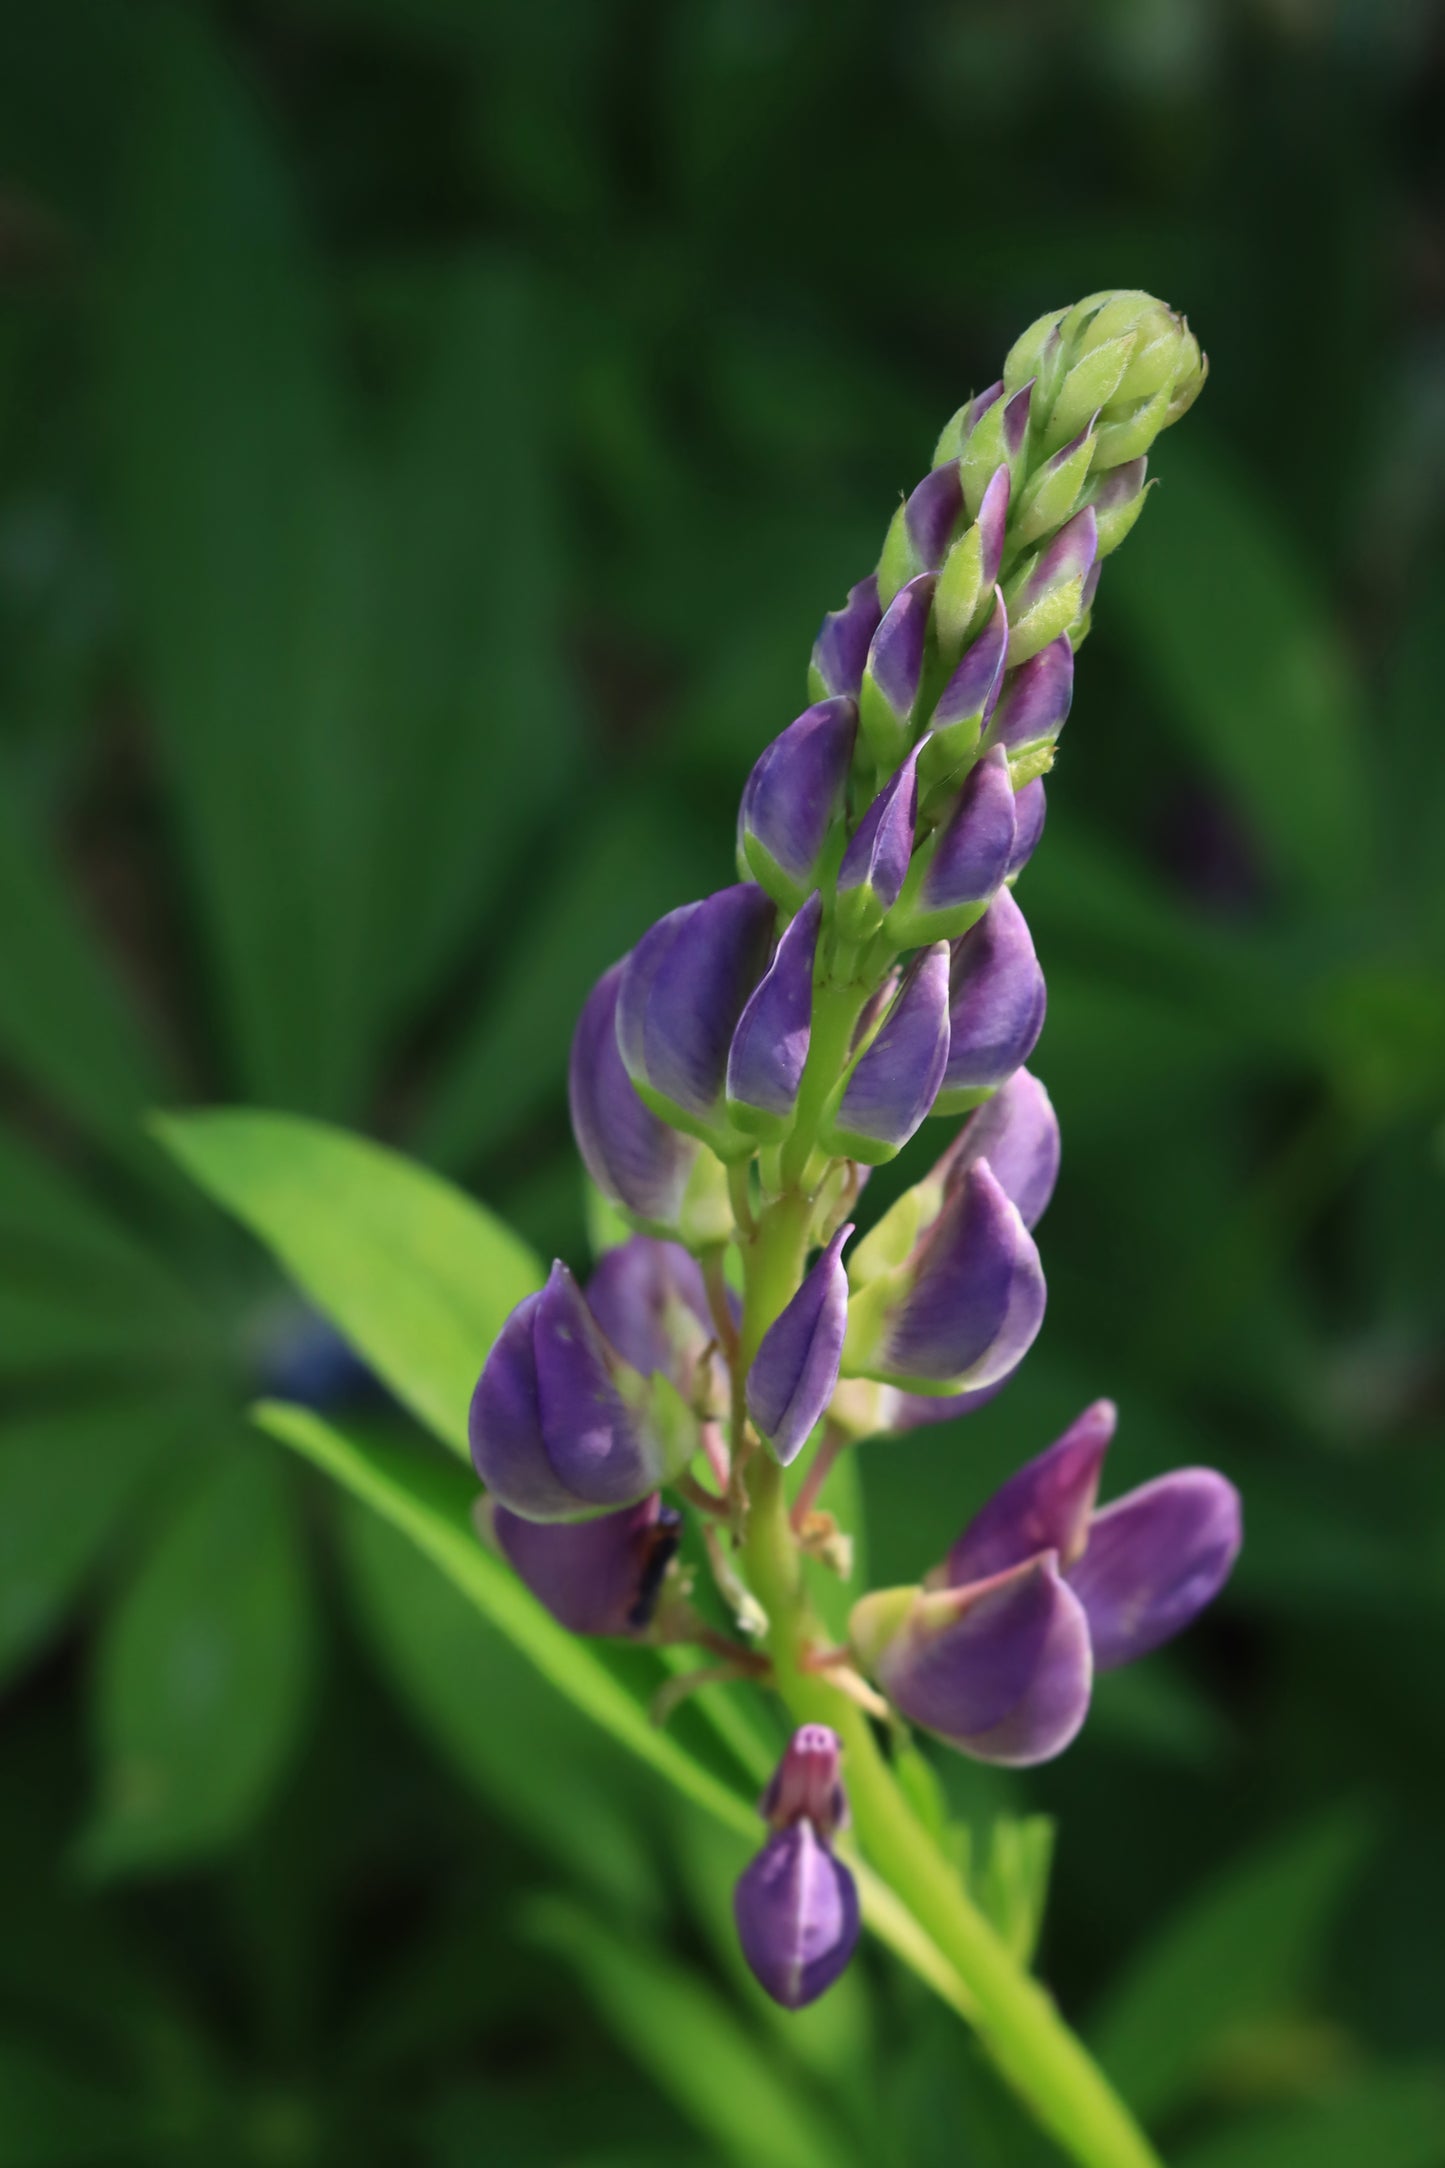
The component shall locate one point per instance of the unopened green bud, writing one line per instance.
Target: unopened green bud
(1037, 353)
(1118, 499)
(1053, 491)
(997, 439)
(1090, 384)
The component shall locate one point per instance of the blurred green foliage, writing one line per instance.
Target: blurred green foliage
(430, 431)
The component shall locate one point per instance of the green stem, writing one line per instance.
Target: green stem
(1016, 2018)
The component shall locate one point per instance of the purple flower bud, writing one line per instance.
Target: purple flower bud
(1035, 700)
(992, 521)
(595, 1577)
(931, 514)
(683, 989)
(973, 851)
(770, 1045)
(650, 1303)
(793, 798)
(969, 697)
(1017, 1132)
(559, 1424)
(893, 1083)
(1046, 597)
(1016, 421)
(841, 648)
(893, 672)
(996, 1004)
(965, 1308)
(1001, 1669)
(1029, 810)
(635, 1159)
(796, 1368)
(797, 1916)
(808, 1784)
(876, 860)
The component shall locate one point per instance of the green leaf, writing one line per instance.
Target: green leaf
(53, 2114)
(1246, 1946)
(418, 1277)
(67, 1479)
(205, 1671)
(694, 2049)
(1387, 2119)
(1013, 1884)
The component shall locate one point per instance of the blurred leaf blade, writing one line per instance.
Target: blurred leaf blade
(1384, 2119)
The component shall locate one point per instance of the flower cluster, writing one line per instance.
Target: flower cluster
(738, 1075)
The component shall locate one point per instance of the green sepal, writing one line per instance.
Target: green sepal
(756, 862)
(714, 1130)
(877, 1618)
(898, 561)
(1028, 356)
(1052, 494)
(948, 754)
(847, 1143)
(983, 455)
(886, 736)
(1091, 383)
(961, 1099)
(1029, 762)
(1052, 614)
(951, 437)
(958, 594)
(1114, 527)
(1116, 442)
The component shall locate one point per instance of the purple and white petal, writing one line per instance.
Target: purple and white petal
(997, 999)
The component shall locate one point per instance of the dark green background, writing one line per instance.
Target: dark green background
(429, 435)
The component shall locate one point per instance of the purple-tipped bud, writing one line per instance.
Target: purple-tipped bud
(1118, 499)
(841, 648)
(1046, 597)
(960, 426)
(875, 863)
(794, 797)
(893, 672)
(1053, 489)
(683, 989)
(998, 437)
(1030, 808)
(964, 1308)
(636, 1160)
(796, 1908)
(559, 1425)
(931, 515)
(968, 862)
(1035, 701)
(968, 699)
(1000, 1669)
(996, 1005)
(649, 1300)
(796, 1368)
(893, 1083)
(770, 1045)
(595, 1577)
(807, 1784)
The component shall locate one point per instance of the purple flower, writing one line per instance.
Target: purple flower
(841, 648)
(996, 1005)
(648, 1300)
(1017, 1132)
(1029, 811)
(875, 863)
(560, 1426)
(770, 1045)
(636, 1160)
(892, 1084)
(796, 1368)
(1035, 701)
(894, 671)
(683, 989)
(595, 1577)
(796, 1905)
(1042, 1589)
(794, 797)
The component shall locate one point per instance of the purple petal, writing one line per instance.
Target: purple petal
(1030, 807)
(1155, 1558)
(649, 1301)
(797, 1916)
(807, 1784)
(996, 1010)
(992, 521)
(974, 686)
(895, 1080)
(595, 1577)
(795, 792)
(841, 648)
(1016, 420)
(1045, 1506)
(632, 1156)
(895, 658)
(973, 852)
(1001, 1670)
(917, 1411)
(770, 1045)
(976, 1300)
(683, 989)
(796, 1368)
(932, 513)
(1017, 1132)
(878, 853)
(1036, 698)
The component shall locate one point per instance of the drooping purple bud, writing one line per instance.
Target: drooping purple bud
(1154, 1559)
(793, 798)
(595, 1577)
(683, 989)
(796, 1908)
(808, 1783)
(1030, 808)
(559, 1425)
(770, 1045)
(893, 672)
(1035, 700)
(841, 648)
(649, 1300)
(1045, 1506)
(1001, 1669)
(996, 1005)
(875, 863)
(1047, 595)
(796, 1368)
(636, 1160)
(967, 1305)
(892, 1084)
(1017, 1132)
